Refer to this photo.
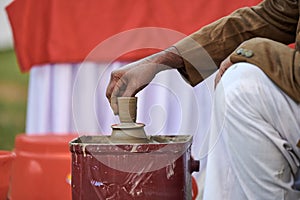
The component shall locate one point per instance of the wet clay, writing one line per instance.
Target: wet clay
(127, 108)
(128, 131)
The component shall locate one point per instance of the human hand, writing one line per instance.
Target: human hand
(129, 80)
(223, 67)
(132, 78)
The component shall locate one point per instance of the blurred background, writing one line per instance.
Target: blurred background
(13, 86)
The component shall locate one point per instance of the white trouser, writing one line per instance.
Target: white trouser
(253, 124)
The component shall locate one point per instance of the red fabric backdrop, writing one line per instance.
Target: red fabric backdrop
(53, 31)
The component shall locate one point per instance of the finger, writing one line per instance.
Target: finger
(118, 91)
(113, 101)
(114, 105)
(111, 92)
(217, 78)
(111, 86)
(220, 73)
(225, 65)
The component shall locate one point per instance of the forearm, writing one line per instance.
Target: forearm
(166, 59)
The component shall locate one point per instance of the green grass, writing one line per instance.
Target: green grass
(13, 97)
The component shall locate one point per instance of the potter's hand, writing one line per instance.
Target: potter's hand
(132, 78)
(223, 67)
(129, 80)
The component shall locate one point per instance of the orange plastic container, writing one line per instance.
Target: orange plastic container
(6, 159)
(42, 168)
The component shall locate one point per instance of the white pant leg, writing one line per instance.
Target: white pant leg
(252, 120)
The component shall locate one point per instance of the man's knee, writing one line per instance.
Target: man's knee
(243, 73)
(244, 79)
(245, 88)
